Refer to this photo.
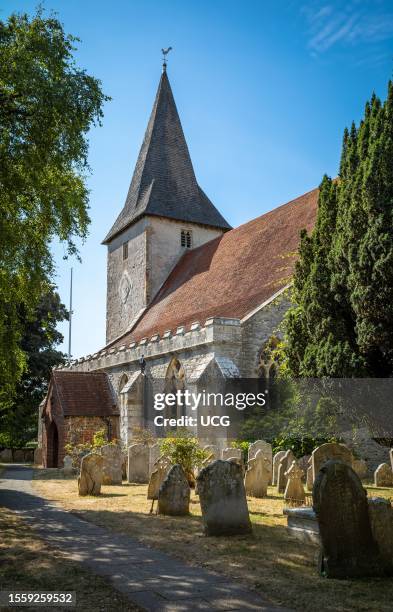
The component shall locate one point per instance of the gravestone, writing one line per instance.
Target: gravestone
(391, 457)
(223, 499)
(325, 452)
(158, 475)
(381, 517)
(154, 454)
(383, 476)
(294, 490)
(138, 463)
(112, 470)
(283, 466)
(257, 475)
(38, 456)
(303, 463)
(90, 479)
(231, 453)
(67, 463)
(266, 448)
(276, 462)
(340, 503)
(174, 493)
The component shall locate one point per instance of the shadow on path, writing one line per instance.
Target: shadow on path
(148, 577)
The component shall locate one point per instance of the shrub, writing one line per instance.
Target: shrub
(183, 448)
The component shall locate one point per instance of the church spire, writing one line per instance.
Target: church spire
(164, 182)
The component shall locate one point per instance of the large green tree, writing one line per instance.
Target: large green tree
(39, 341)
(47, 106)
(341, 322)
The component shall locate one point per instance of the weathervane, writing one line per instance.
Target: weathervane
(164, 54)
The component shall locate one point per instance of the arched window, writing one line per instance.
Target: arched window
(123, 382)
(186, 239)
(175, 380)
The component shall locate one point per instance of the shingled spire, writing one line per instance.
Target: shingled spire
(164, 183)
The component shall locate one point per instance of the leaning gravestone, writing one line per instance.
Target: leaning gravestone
(285, 463)
(90, 479)
(174, 493)
(266, 448)
(340, 503)
(294, 490)
(360, 467)
(325, 452)
(276, 462)
(138, 463)
(158, 475)
(112, 470)
(223, 499)
(154, 454)
(257, 475)
(67, 463)
(383, 476)
(232, 453)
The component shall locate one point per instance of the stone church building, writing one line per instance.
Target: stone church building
(194, 297)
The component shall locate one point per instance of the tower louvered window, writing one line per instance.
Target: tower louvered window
(186, 239)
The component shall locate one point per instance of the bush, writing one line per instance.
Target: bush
(78, 451)
(183, 448)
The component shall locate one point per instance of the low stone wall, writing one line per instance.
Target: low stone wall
(17, 455)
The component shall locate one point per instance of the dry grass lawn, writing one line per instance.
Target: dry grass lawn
(27, 564)
(270, 560)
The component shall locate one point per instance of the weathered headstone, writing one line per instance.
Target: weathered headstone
(303, 463)
(154, 454)
(325, 452)
(67, 463)
(230, 453)
(383, 476)
(138, 463)
(294, 490)
(158, 475)
(112, 471)
(340, 503)
(359, 466)
(266, 448)
(283, 467)
(38, 456)
(381, 517)
(276, 462)
(223, 499)
(257, 475)
(174, 493)
(90, 479)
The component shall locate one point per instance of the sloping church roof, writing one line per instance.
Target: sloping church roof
(164, 182)
(231, 275)
(83, 393)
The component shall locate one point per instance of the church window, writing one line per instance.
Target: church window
(186, 239)
(125, 250)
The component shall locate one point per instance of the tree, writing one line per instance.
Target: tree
(341, 321)
(47, 106)
(18, 423)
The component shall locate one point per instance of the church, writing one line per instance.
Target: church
(189, 298)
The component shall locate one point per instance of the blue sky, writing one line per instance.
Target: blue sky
(264, 90)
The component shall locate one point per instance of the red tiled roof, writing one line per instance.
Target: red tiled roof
(84, 393)
(232, 274)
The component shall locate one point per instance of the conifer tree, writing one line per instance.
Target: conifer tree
(341, 321)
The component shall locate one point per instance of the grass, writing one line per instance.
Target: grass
(270, 560)
(28, 564)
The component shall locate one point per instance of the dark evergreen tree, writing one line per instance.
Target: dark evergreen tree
(341, 322)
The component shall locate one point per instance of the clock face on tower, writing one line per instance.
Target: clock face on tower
(124, 288)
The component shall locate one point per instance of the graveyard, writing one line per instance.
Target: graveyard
(269, 559)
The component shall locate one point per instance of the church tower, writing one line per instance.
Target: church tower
(165, 213)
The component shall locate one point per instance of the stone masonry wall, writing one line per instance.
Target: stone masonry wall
(81, 429)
